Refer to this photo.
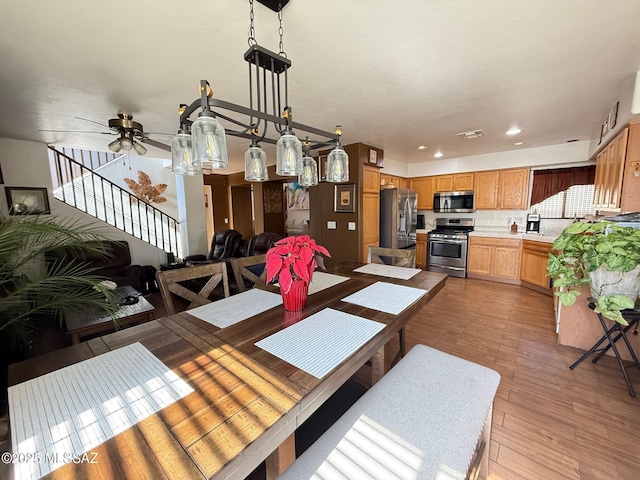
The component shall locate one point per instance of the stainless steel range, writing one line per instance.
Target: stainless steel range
(447, 246)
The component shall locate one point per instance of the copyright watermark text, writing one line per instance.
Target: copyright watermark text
(48, 457)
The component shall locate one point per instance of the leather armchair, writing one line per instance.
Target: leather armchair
(223, 245)
(259, 244)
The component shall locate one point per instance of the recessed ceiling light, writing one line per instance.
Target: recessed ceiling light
(438, 154)
(422, 147)
(513, 131)
(517, 144)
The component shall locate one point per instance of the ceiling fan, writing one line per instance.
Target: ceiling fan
(129, 132)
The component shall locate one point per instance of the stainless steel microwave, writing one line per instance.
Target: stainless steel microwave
(453, 202)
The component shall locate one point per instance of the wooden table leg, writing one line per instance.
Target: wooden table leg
(377, 366)
(281, 458)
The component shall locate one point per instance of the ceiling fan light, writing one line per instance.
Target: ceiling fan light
(288, 155)
(139, 148)
(209, 141)
(181, 155)
(115, 146)
(338, 165)
(309, 176)
(255, 164)
(126, 143)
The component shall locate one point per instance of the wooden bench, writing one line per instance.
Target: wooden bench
(428, 418)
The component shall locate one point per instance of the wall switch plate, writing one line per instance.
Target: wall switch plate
(352, 225)
(331, 225)
(226, 220)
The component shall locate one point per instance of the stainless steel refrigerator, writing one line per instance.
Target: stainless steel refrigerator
(398, 217)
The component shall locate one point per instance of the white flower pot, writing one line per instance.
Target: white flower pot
(605, 282)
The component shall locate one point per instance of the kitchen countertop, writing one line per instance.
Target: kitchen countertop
(519, 235)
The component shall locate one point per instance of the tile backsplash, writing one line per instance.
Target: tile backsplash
(499, 221)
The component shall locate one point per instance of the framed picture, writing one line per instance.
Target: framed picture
(613, 117)
(373, 156)
(27, 200)
(322, 168)
(344, 199)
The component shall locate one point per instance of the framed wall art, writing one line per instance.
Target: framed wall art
(27, 200)
(344, 200)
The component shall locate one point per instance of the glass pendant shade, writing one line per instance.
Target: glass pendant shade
(288, 155)
(209, 141)
(181, 155)
(140, 149)
(309, 175)
(255, 164)
(338, 165)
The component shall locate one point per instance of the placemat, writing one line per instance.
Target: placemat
(385, 297)
(72, 410)
(231, 310)
(322, 280)
(390, 271)
(321, 342)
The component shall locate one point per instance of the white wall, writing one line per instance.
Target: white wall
(25, 164)
(553, 155)
(392, 167)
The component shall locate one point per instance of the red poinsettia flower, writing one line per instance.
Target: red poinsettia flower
(294, 258)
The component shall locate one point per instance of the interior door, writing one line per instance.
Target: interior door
(242, 208)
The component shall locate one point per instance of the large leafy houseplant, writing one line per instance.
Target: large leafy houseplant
(584, 248)
(34, 290)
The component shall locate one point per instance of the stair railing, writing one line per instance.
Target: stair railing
(79, 186)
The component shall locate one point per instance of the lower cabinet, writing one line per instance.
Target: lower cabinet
(421, 251)
(533, 267)
(494, 258)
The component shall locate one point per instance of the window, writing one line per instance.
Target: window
(575, 202)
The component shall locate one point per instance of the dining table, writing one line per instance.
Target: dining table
(223, 400)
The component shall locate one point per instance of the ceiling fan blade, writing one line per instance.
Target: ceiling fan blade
(76, 131)
(93, 121)
(153, 143)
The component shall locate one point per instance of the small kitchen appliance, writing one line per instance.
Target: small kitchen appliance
(533, 223)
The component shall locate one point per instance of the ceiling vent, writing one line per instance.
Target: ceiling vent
(471, 134)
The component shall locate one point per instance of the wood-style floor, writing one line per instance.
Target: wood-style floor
(549, 422)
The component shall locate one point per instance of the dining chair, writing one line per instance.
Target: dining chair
(398, 257)
(249, 271)
(192, 284)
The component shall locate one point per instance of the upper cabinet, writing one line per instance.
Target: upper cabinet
(424, 187)
(613, 185)
(502, 189)
(444, 183)
(463, 181)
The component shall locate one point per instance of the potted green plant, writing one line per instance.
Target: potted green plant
(602, 255)
(33, 289)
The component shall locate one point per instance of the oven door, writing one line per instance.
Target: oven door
(448, 253)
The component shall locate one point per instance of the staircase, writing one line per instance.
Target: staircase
(75, 183)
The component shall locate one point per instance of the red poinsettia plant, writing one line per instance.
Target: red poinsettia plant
(294, 258)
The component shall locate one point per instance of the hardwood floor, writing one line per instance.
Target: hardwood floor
(549, 422)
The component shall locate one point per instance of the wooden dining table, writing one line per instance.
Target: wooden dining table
(246, 403)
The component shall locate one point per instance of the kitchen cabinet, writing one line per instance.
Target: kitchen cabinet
(370, 223)
(617, 182)
(404, 182)
(502, 189)
(421, 251)
(463, 181)
(533, 265)
(444, 183)
(424, 186)
(493, 258)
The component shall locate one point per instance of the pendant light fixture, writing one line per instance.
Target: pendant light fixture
(338, 162)
(255, 164)
(309, 176)
(268, 107)
(182, 156)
